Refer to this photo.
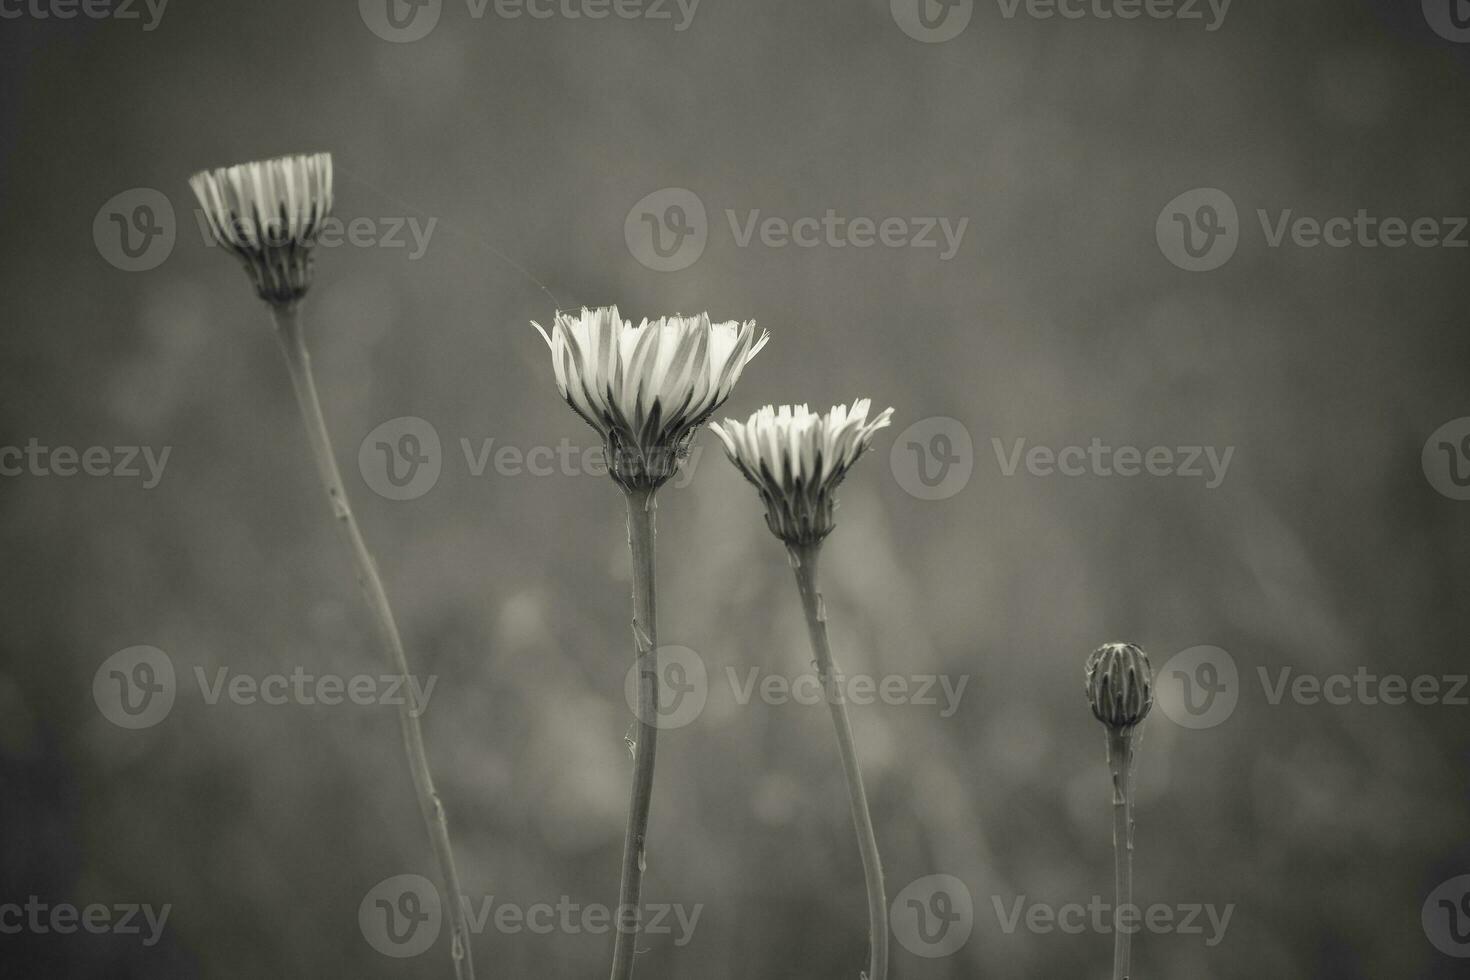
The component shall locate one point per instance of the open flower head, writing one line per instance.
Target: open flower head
(269, 214)
(796, 458)
(647, 389)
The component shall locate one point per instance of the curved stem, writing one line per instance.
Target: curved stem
(804, 563)
(641, 511)
(298, 361)
(1120, 764)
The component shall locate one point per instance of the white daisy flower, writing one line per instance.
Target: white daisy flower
(269, 213)
(646, 389)
(796, 458)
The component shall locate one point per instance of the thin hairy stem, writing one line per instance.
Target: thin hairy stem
(298, 360)
(804, 563)
(641, 512)
(1120, 765)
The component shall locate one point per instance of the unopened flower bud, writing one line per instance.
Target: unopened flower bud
(1120, 684)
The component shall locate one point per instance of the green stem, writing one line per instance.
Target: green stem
(641, 512)
(804, 563)
(1120, 765)
(298, 361)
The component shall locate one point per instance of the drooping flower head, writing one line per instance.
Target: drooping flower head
(796, 458)
(1120, 685)
(647, 389)
(269, 214)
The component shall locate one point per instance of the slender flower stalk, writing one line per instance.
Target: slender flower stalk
(804, 563)
(646, 390)
(268, 214)
(1120, 691)
(796, 459)
(642, 510)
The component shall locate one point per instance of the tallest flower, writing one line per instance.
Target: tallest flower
(646, 390)
(269, 215)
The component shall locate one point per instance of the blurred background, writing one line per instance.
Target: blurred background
(530, 153)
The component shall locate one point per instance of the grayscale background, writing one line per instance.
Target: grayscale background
(1337, 542)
